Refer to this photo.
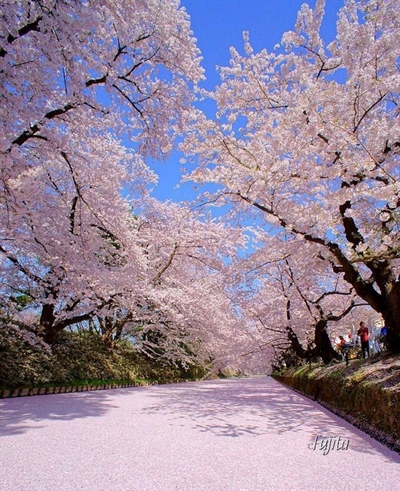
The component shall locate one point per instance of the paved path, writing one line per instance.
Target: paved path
(245, 434)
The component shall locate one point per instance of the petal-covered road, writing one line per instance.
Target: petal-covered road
(243, 434)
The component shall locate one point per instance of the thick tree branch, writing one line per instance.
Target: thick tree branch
(364, 289)
(35, 128)
(26, 29)
(167, 265)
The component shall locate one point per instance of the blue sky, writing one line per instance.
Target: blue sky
(217, 25)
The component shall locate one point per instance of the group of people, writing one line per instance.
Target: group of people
(364, 336)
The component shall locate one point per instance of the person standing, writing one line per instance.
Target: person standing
(364, 338)
(341, 346)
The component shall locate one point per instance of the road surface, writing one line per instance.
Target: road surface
(225, 435)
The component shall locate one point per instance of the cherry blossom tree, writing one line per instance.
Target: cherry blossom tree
(307, 141)
(80, 237)
(188, 308)
(78, 80)
(294, 299)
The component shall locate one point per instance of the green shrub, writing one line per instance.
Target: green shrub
(24, 359)
(27, 361)
(83, 355)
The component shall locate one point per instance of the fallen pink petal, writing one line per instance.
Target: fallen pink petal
(224, 435)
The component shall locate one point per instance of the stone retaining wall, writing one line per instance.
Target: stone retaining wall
(6, 393)
(371, 408)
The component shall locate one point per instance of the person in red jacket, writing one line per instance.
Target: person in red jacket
(364, 337)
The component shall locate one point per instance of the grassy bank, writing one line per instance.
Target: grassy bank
(82, 359)
(367, 393)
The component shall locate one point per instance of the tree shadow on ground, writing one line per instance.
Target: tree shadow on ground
(255, 406)
(25, 413)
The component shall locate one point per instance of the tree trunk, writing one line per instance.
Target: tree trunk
(47, 320)
(107, 331)
(386, 301)
(323, 345)
(295, 344)
(50, 326)
(391, 317)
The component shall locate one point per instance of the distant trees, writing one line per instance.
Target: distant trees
(307, 143)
